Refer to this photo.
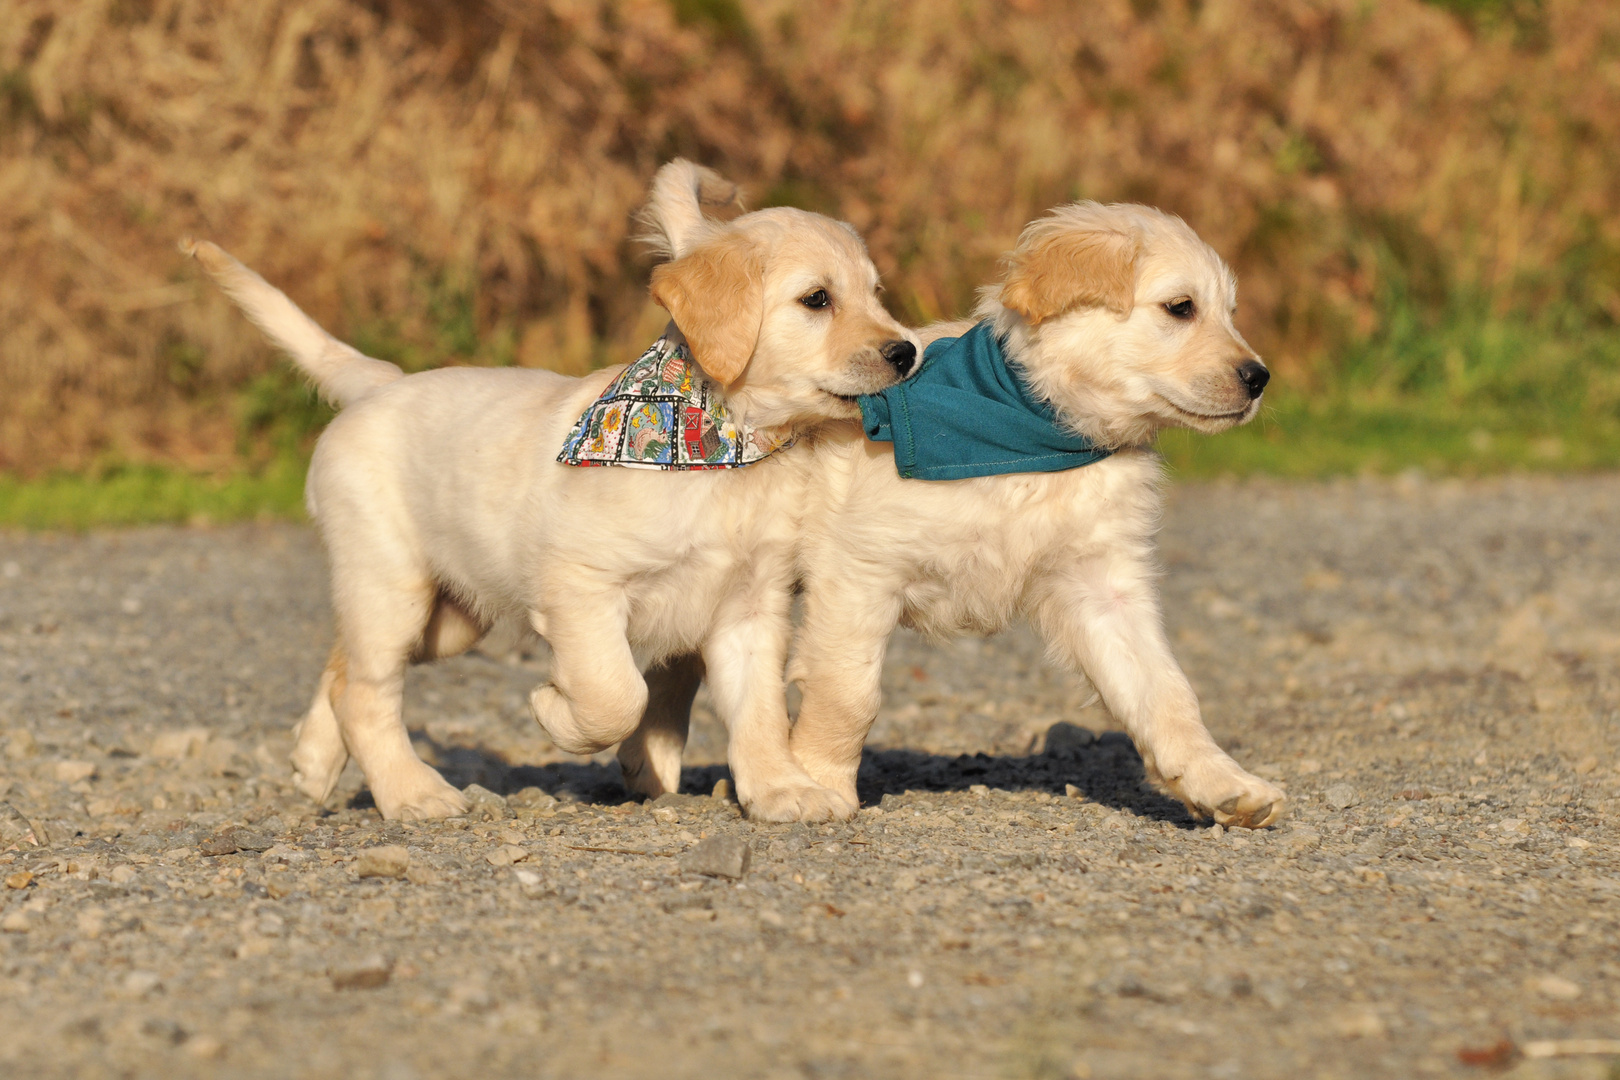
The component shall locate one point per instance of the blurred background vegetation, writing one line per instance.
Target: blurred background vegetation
(1421, 200)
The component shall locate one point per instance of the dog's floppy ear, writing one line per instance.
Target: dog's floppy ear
(716, 295)
(1058, 266)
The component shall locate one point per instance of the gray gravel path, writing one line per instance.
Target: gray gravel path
(1433, 670)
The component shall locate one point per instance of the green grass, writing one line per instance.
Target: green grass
(148, 494)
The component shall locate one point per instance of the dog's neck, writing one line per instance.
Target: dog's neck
(1058, 380)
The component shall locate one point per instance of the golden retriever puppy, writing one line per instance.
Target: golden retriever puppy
(444, 506)
(1118, 319)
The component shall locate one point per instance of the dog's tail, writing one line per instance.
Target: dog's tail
(673, 217)
(340, 372)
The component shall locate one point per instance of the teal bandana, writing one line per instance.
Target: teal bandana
(662, 412)
(966, 413)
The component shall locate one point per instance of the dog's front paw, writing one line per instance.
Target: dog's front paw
(417, 793)
(1219, 788)
(796, 802)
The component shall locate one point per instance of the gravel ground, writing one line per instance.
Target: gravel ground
(1431, 669)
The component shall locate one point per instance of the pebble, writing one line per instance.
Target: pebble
(71, 772)
(506, 855)
(230, 841)
(16, 921)
(718, 856)
(367, 973)
(384, 861)
(19, 880)
(1066, 740)
(15, 830)
(1553, 986)
(485, 805)
(142, 983)
(722, 788)
(1341, 797)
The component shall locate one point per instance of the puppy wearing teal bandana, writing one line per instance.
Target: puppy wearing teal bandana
(1013, 477)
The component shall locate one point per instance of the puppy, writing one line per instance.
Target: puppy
(1119, 318)
(444, 508)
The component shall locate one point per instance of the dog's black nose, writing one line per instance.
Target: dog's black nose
(901, 355)
(1254, 376)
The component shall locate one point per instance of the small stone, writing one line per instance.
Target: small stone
(532, 885)
(1073, 792)
(1341, 797)
(250, 840)
(1553, 986)
(1066, 740)
(17, 921)
(386, 861)
(531, 798)
(1587, 764)
(16, 831)
(71, 772)
(722, 787)
(183, 743)
(506, 855)
(142, 983)
(718, 856)
(221, 843)
(485, 805)
(423, 875)
(21, 745)
(20, 880)
(668, 815)
(205, 1048)
(366, 974)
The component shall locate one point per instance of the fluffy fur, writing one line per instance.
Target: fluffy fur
(1121, 317)
(444, 510)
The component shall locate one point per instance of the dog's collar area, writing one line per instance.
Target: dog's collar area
(663, 413)
(966, 413)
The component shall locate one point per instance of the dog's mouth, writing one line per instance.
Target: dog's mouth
(1207, 418)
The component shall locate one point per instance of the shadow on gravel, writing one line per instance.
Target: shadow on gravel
(1108, 771)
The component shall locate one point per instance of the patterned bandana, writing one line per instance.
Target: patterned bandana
(664, 413)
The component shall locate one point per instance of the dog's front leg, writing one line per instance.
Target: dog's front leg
(838, 664)
(596, 696)
(1105, 616)
(650, 758)
(744, 659)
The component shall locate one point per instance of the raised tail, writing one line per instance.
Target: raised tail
(340, 372)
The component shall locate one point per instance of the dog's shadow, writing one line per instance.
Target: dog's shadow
(1107, 771)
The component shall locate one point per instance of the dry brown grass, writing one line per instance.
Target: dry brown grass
(416, 170)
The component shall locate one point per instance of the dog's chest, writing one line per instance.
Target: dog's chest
(992, 560)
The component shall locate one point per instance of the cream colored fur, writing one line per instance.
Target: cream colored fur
(444, 510)
(1085, 307)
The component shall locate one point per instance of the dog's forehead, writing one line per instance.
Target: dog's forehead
(1178, 260)
(801, 241)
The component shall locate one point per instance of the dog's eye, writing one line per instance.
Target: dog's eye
(1181, 309)
(816, 300)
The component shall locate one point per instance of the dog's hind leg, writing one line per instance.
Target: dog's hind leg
(319, 754)
(651, 757)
